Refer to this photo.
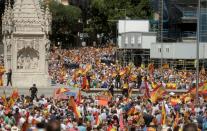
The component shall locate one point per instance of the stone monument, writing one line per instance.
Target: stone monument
(25, 29)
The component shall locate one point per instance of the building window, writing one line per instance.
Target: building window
(132, 40)
(126, 40)
(159, 50)
(139, 39)
(167, 50)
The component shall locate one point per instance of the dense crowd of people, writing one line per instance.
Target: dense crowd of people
(120, 114)
(104, 72)
(88, 67)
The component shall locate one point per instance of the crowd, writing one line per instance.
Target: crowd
(68, 67)
(120, 114)
(89, 67)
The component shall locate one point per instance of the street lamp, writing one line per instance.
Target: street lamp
(161, 32)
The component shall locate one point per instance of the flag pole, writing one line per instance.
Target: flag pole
(197, 49)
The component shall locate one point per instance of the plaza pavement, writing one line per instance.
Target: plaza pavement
(48, 92)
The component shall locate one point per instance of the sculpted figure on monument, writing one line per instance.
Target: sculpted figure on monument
(27, 57)
(8, 44)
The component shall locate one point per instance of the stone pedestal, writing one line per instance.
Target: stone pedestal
(26, 43)
(23, 80)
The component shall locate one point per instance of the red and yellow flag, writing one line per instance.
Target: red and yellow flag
(85, 83)
(74, 107)
(202, 89)
(15, 94)
(174, 101)
(176, 122)
(78, 100)
(3, 97)
(154, 85)
(157, 93)
(132, 111)
(164, 115)
(88, 68)
(151, 68)
(97, 122)
(62, 90)
(2, 70)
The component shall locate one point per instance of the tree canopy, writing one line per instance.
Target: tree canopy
(106, 13)
(64, 21)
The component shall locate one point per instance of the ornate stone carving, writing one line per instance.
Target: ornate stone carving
(27, 54)
(25, 28)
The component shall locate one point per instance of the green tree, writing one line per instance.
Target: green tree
(64, 23)
(106, 13)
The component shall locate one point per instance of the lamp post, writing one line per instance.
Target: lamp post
(161, 32)
(197, 49)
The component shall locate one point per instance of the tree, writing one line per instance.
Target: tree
(106, 13)
(64, 23)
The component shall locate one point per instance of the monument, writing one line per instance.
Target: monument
(25, 29)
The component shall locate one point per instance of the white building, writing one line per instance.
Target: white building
(135, 34)
(134, 41)
(178, 53)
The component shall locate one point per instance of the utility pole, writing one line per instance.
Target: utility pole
(161, 31)
(197, 49)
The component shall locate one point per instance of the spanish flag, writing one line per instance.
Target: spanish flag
(151, 68)
(154, 85)
(204, 88)
(3, 97)
(11, 102)
(164, 115)
(157, 93)
(88, 68)
(97, 122)
(122, 72)
(78, 100)
(62, 90)
(74, 107)
(85, 84)
(175, 124)
(15, 94)
(174, 101)
(131, 111)
(2, 70)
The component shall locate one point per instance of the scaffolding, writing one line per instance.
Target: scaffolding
(135, 56)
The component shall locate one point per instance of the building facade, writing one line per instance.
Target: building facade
(179, 55)
(134, 41)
